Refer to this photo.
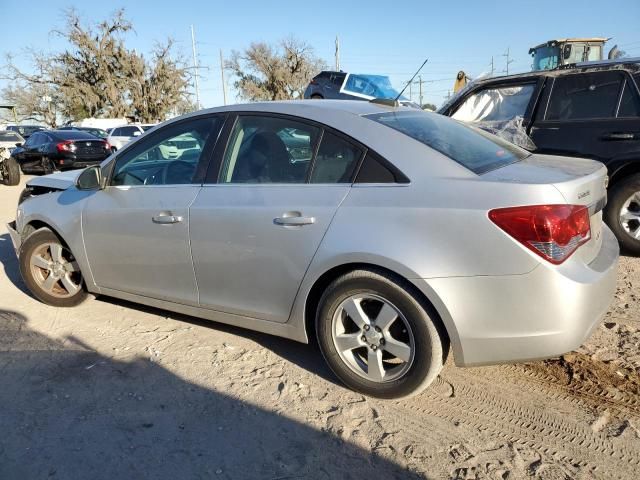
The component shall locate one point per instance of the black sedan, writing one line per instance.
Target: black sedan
(45, 152)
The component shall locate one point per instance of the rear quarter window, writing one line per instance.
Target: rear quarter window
(472, 148)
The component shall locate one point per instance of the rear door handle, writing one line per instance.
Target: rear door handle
(619, 136)
(293, 219)
(166, 218)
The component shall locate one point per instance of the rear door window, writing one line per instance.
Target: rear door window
(265, 149)
(470, 147)
(496, 104)
(584, 96)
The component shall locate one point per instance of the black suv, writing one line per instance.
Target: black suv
(589, 109)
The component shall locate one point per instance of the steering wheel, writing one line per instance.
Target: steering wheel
(178, 172)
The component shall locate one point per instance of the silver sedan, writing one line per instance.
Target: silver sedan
(388, 234)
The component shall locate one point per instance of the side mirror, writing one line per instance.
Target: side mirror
(90, 179)
(136, 134)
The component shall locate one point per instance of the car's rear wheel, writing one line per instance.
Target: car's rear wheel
(316, 97)
(10, 171)
(377, 337)
(50, 270)
(622, 213)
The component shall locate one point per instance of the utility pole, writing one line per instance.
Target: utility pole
(337, 54)
(224, 85)
(492, 67)
(410, 91)
(508, 61)
(195, 67)
(420, 82)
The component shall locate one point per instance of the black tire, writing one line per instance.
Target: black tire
(316, 97)
(11, 170)
(431, 345)
(619, 193)
(33, 242)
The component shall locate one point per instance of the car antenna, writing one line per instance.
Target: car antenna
(394, 102)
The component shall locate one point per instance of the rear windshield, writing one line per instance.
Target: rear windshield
(472, 148)
(74, 135)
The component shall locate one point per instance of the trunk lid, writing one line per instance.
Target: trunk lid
(90, 149)
(579, 181)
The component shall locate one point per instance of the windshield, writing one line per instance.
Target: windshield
(546, 58)
(470, 147)
(373, 86)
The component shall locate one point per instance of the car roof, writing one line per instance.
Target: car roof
(308, 107)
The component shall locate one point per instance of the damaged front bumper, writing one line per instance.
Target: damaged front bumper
(16, 238)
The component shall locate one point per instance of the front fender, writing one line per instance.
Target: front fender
(61, 211)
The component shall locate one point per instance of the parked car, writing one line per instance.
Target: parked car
(45, 152)
(10, 139)
(590, 110)
(351, 86)
(9, 169)
(404, 232)
(96, 132)
(26, 130)
(120, 136)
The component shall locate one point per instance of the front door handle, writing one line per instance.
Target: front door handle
(166, 218)
(293, 219)
(619, 136)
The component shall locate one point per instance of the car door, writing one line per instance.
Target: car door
(255, 231)
(33, 148)
(593, 114)
(136, 230)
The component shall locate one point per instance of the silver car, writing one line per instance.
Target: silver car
(389, 234)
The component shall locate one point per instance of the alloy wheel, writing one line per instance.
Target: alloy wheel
(373, 338)
(55, 270)
(630, 216)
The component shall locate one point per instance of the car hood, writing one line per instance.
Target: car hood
(58, 180)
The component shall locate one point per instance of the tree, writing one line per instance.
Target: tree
(97, 76)
(280, 72)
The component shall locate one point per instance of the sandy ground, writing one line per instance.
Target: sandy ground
(115, 390)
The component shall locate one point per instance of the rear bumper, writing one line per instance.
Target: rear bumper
(544, 313)
(16, 238)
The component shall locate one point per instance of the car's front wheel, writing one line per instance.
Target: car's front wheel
(10, 171)
(622, 213)
(50, 270)
(377, 337)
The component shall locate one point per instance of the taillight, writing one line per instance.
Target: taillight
(313, 82)
(66, 146)
(552, 231)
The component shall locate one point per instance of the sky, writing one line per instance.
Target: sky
(377, 37)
